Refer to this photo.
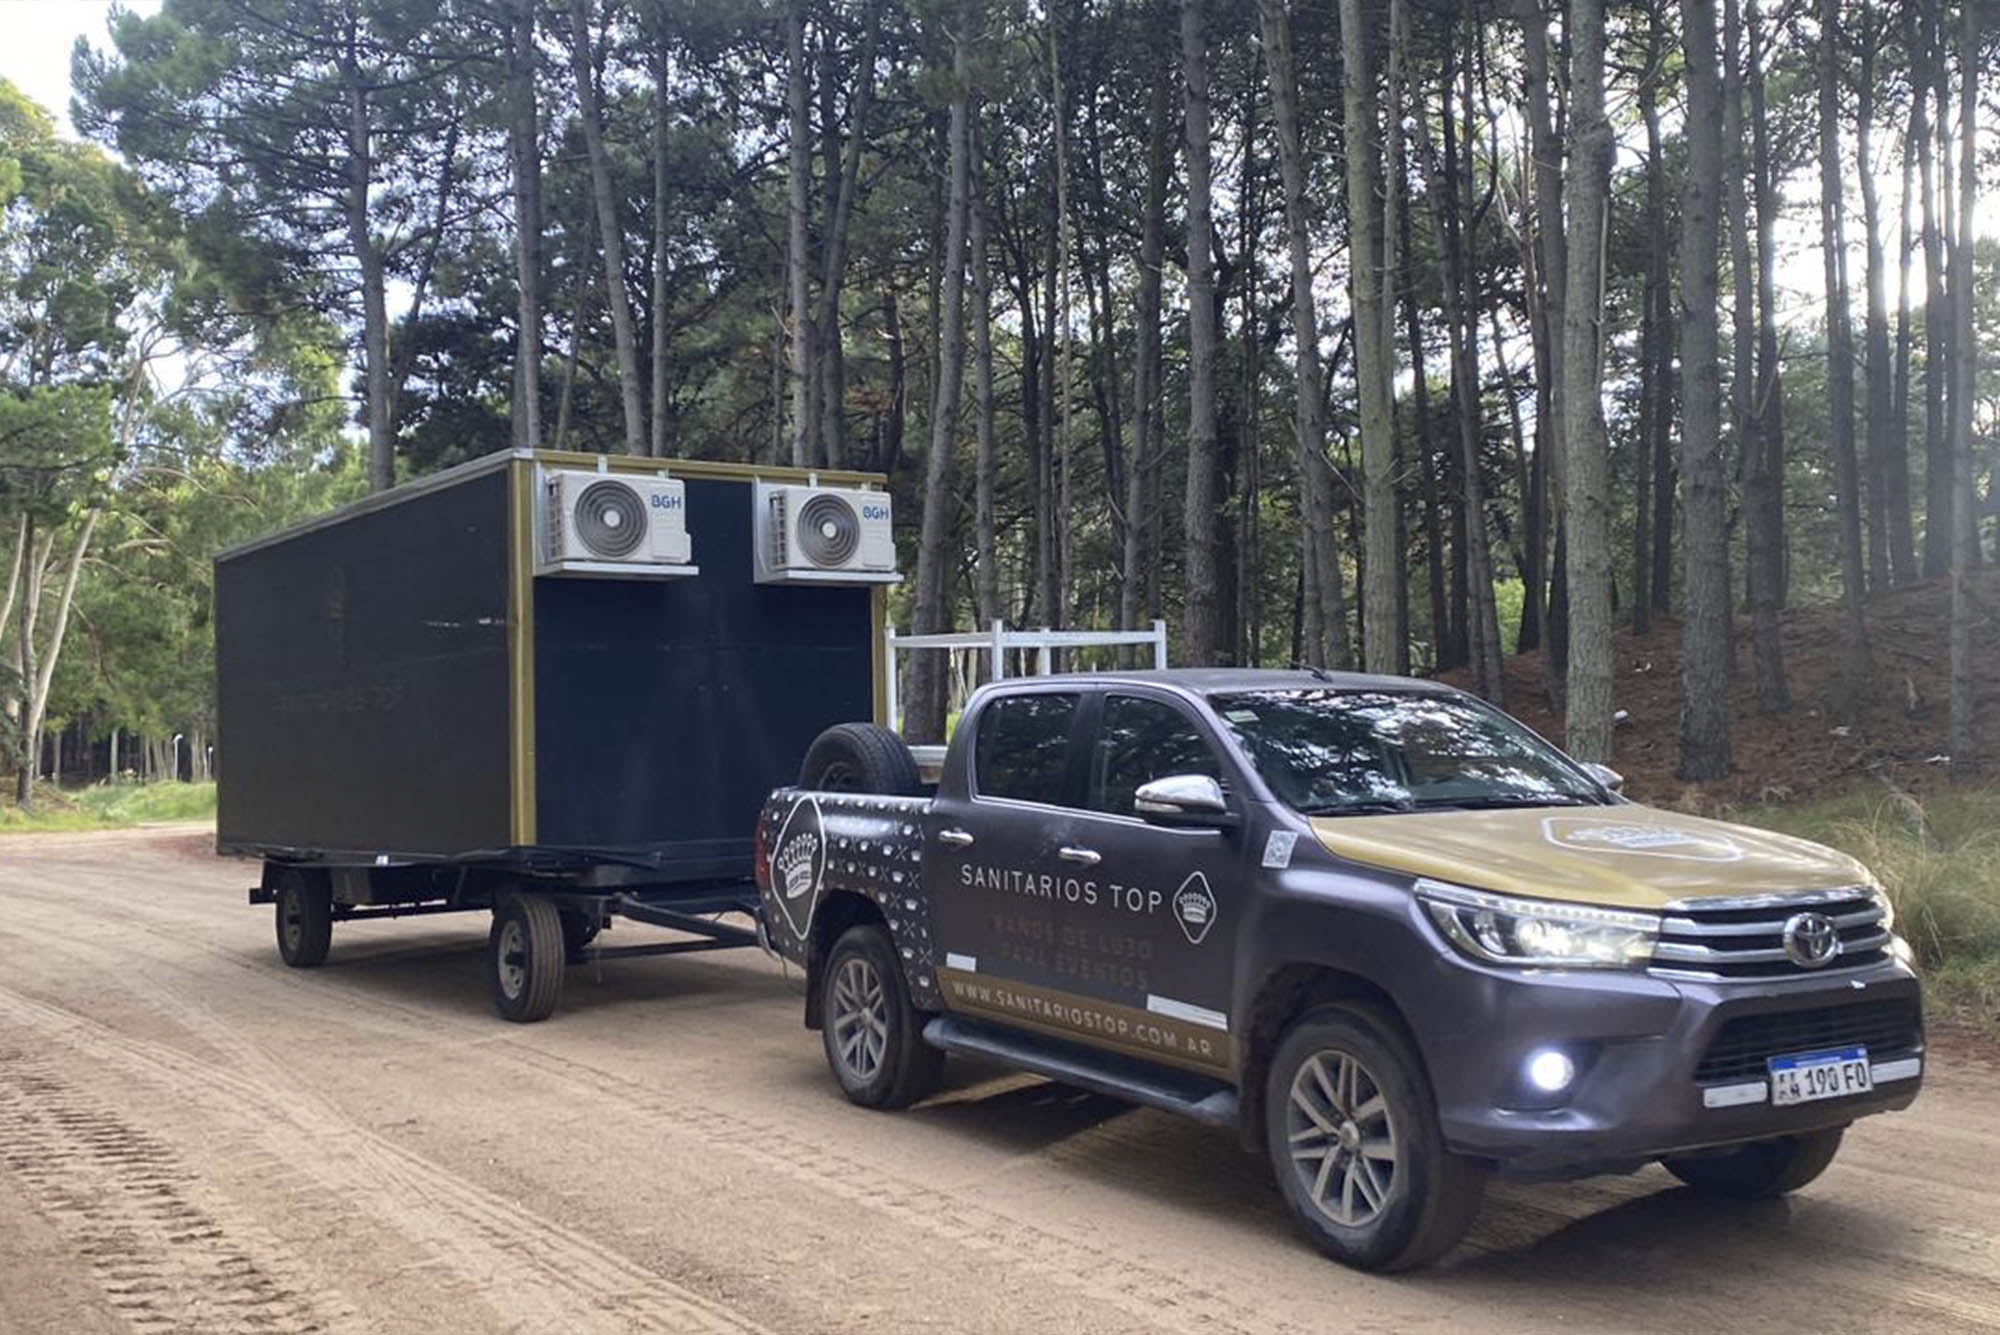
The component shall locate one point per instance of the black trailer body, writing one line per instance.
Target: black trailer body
(412, 719)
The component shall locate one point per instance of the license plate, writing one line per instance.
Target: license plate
(1804, 1077)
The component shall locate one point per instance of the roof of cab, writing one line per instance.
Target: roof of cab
(1221, 680)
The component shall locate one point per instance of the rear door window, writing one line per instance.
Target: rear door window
(1022, 748)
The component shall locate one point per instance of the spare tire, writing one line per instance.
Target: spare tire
(861, 758)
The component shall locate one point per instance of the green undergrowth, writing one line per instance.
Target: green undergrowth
(110, 806)
(1939, 858)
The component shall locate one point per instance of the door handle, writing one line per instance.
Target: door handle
(1087, 857)
(955, 838)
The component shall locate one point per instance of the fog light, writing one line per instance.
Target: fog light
(1551, 1071)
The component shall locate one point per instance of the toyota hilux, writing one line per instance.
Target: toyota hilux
(1385, 934)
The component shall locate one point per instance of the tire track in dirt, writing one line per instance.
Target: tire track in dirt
(1150, 1295)
(120, 1198)
(541, 1274)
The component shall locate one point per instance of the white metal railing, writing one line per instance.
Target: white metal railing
(997, 640)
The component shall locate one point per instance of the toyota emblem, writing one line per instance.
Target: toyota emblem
(1810, 940)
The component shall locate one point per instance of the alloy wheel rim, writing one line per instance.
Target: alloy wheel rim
(513, 959)
(1342, 1140)
(860, 1018)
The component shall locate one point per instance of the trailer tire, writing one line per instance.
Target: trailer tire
(861, 758)
(525, 954)
(874, 1036)
(304, 914)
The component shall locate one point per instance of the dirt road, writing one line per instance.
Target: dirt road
(193, 1138)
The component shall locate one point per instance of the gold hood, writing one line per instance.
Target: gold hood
(1627, 856)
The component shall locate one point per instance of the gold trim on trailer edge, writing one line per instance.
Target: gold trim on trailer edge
(878, 653)
(521, 648)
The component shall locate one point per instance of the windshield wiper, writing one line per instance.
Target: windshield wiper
(1495, 801)
(1364, 807)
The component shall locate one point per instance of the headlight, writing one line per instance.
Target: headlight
(1549, 934)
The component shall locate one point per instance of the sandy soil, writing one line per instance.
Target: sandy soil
(194, 1138)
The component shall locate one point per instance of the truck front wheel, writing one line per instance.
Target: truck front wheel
(305, 918)
(524, 953)
(1354, 1139)
(1762, 1168)
(874, 1036)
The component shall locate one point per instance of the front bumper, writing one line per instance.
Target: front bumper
(1641, 1090)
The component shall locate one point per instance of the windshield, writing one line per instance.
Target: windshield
(1327, 752)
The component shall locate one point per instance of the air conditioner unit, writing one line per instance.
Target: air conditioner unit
(625, 525)
(824, 535)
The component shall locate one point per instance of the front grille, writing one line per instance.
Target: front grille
(1745, 938)
(1744, 1044)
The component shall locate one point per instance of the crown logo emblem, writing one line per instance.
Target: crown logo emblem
(795, 863)
(1194, 908)
(798, 863)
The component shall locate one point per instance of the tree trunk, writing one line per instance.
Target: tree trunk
(1586, 488)
(1552, 263)
(803, 436)
(1325, 611)
(1840, 362)
(525, 142)
(1140, 520)
(1063, 327)
(1965, 740)
(1373, 358)
(609, 232)
(1927, 61)
(1705, 631)
(925, 717)
(833, 275)
(1201, 626)
(1891, 554)
(1767, 513)
(1426, 461)
(368, 257)
(1652, 328)
(986, 462)
(1763, 419)
(656, 442)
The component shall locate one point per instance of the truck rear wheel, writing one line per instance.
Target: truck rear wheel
(861, 758)
(304, 918)
(1762, 1168)
(525, 953)
(1353, 1133)
(873, 1035)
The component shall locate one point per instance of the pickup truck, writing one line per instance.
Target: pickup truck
(1384, 933)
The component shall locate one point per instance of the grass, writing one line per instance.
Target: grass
(110, 806)
(1939, 859)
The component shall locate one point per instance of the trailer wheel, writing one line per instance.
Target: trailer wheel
(861, 758)
(304, 918)
(525, 953)
(873, 1035)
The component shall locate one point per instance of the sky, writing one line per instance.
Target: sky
(36, 37)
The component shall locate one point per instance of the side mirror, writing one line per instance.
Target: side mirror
(1605, 775)
(1184, 800)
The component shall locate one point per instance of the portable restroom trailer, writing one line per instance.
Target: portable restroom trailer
(556, 686)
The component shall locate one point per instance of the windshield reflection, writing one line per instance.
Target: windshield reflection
(1335, 752)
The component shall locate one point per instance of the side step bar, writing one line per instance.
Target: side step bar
(1208, 1101)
